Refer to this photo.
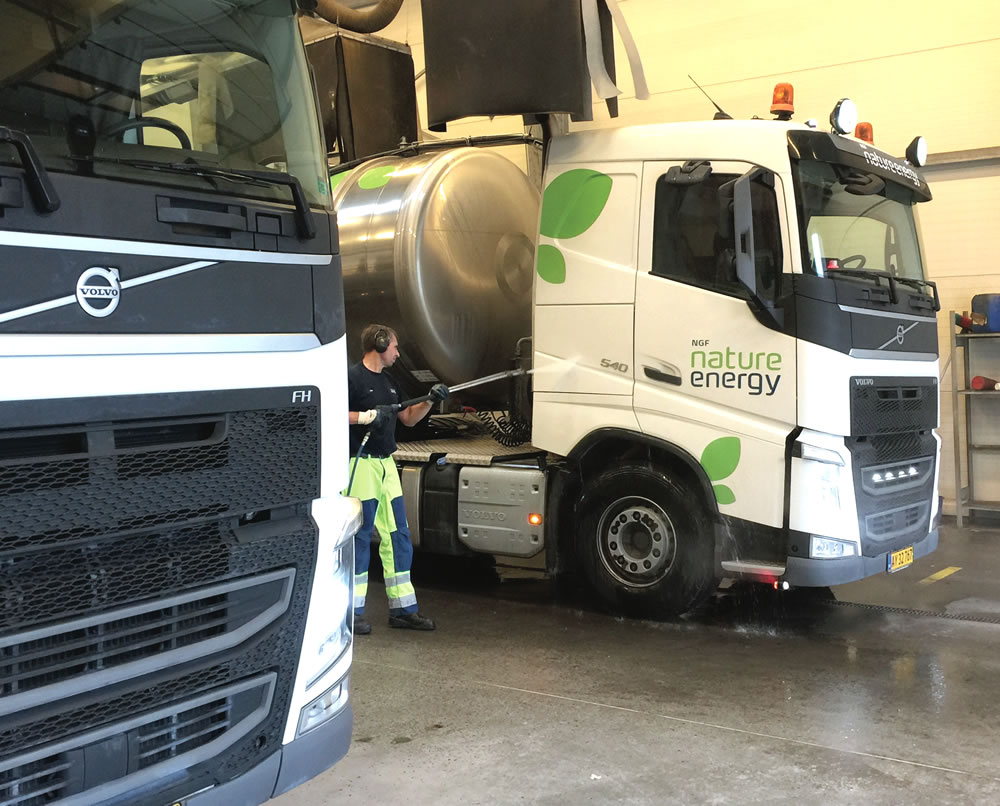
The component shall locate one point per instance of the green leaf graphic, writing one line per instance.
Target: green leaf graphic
(573, 201)
(551, 264)
(336, 179)
(720, 457)
(723, 494)
(376, 177)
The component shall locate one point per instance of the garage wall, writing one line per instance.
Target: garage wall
(912, 67)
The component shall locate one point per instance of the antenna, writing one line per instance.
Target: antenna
(720, 115)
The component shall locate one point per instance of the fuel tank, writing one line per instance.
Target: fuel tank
(440, 247)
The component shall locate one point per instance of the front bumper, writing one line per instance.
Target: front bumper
(296, 762)
(812, 573)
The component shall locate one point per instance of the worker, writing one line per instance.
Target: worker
(371, 392)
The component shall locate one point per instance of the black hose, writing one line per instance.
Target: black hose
(357, 458)
(361, 22)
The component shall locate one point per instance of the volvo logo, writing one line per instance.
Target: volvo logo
(98, 291)
(484, 515)
(901, 331)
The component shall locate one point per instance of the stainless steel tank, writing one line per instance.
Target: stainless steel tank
(440, 247)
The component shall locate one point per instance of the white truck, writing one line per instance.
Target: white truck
(176, 560)
(733, 352)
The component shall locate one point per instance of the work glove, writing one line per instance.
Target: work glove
(383, 416)
(439, 392)
(377, 416)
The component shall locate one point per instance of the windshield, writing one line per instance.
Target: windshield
(874, 231)
(220, 83)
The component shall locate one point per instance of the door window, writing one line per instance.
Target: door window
(688, 243)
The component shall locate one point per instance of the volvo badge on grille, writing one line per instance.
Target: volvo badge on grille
(98, 291)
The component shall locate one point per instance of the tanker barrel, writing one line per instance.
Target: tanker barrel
(439, 247)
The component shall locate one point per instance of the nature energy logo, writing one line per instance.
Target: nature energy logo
(371, 179)
(571, 204)
(720, 459)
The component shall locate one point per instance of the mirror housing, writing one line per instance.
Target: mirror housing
(737, 214)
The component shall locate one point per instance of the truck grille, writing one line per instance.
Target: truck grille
(893, 483)
(156, 554)
(180, 733)
(896, 522)
(142, 746)
(893, 405)
(35, 783)
(113, 646)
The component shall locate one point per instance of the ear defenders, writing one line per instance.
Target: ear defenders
(382, 340)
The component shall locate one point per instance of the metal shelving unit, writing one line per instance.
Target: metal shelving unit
(966, 502)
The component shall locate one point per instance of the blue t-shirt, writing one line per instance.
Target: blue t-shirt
(366, 390)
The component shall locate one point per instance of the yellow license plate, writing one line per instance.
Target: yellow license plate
(898, 560)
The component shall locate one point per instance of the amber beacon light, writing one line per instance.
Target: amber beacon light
(865, 131)
(783, 101)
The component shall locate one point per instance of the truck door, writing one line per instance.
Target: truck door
(713, 373)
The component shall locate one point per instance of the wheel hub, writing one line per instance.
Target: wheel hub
(636, 540)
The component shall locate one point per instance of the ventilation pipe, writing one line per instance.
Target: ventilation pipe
(361, 22)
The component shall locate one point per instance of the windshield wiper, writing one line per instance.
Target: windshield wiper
(303, 215)
(42, 192)
(869, 274)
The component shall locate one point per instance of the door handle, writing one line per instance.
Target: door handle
(663, 377)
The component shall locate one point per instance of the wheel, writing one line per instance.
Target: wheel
(861, 259)
(644, 545)
(155, 123)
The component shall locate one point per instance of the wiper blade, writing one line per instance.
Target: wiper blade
(869, 274)
(303, 215)
(42, 192)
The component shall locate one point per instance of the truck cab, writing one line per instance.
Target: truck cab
(735, 340)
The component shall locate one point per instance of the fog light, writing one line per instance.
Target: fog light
(326, 706)
(826, 548)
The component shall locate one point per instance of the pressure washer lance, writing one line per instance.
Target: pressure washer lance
(496, 376)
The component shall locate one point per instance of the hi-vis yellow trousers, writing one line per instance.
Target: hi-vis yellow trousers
(376, 483)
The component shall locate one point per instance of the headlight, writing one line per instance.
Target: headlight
(821, 484)
(827, 548)
(326, 706)
(816, 454)
(333, 646)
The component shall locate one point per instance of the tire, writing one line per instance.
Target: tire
(645, 544)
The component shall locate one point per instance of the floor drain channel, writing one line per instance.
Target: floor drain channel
(909, 611)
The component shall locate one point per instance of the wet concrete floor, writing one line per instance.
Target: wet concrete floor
(883, 691)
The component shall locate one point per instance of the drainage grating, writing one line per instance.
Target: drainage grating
(909, 611)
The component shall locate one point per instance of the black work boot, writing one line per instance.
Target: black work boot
(361, 626)
(411, 621)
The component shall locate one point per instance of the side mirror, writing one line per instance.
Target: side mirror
(742, 225)
(743, 234)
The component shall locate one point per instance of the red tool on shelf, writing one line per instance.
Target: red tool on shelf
(981, 383)
(966, 321)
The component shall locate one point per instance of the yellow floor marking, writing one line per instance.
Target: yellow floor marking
(944, 572)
